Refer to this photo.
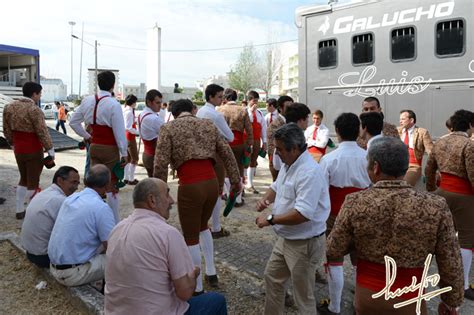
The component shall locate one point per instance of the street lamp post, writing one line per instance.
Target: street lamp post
(95, 56)
(72, 23)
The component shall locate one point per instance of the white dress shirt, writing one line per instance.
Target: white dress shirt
(109, 113)
(169, 117)
(274, 116)
(302, 186)
(410, 136)
(261, 121)
(346, 166)
(372, 140)
(129, 119)
(163, 112)
(322, 136)
(208, 111)
(150, 126)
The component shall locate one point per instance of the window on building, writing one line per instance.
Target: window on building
(403, 44)
(450, 38)
(327, 53)
(363, 49)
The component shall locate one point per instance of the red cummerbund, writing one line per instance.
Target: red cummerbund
(238, 138)
(413, 159)
(193, 171)
(317, 150)
(102, 134)
(455, 184)
(372, 276)
(130, 136)
(337, 196)
(150, 146)
(26, 142)
(256, 130)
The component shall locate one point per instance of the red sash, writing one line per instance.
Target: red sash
(337, 196)
(26, 142)
(101, 134)
(256, 127)
(372, 276)
(193, 171)
(238, 138)
(455, 184)
(150, 145)
(412, 156)
(317, 150)
(131, 136)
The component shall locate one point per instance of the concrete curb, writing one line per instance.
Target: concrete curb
(84, 296)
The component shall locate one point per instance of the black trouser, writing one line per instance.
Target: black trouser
(41, 261)
(61, 123)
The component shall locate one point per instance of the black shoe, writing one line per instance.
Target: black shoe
(212, 280)
(197, 293)
(323, 308)
(320, 278)
(239, 204)
(222, 233)
(289, 301)
(469, 293)
(20, 215)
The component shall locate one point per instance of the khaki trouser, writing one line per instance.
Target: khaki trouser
(132, 152)
(295, 259)
(413, 174)
(238, 151)
(148, 161)
(273, 171)
(255, 150)
(220, 173)
(89, 272)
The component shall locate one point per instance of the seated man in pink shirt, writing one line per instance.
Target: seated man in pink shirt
(149, 269)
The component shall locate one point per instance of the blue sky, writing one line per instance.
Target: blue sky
(185, 25)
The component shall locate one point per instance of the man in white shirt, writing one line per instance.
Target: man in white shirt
(301, 208)
(371, 125)
(109, 146)
(214, 96)
(42, 212)
(131, 133)
(345, 170)
(149, 124)
(272, 112)
(259, 132)
(317, 136)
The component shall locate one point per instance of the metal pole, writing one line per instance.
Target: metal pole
(72, 23)
(96, 74)
(80, 63)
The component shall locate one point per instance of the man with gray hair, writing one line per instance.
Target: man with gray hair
(392, 219)
(149, 269)
(42, 212)
(83, 225)
(301, 208)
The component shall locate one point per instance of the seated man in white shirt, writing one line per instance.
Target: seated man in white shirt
(301, 208)
(317, 136)
(42, 212)
(371, 125)
(82, 228)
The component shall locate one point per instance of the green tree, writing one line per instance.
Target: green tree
(198, 96)
(243, 75)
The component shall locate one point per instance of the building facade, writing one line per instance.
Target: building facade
(93, 80)
(53, 90)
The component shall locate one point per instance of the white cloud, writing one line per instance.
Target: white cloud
(44, 25)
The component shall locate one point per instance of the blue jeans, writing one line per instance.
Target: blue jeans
(207, 303)
(61, 123)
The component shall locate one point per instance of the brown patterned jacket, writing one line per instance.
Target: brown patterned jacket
(388, 130)
(421, 141)
(391, 218)
(276, 123)
(452, 154)
(188, 137)
(238, 119)
(24, 115)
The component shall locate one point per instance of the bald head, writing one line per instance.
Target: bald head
(98, 177)
(153, 194)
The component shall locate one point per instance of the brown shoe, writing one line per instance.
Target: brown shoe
(222, 233)
(20, 215)
(133, 182)
(323, 308)
(469, 293)
(239, 204)
(125, 181)
(212, 280)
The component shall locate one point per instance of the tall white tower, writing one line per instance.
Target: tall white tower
(153, 65)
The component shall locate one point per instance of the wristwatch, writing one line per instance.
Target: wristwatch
(270, 219)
